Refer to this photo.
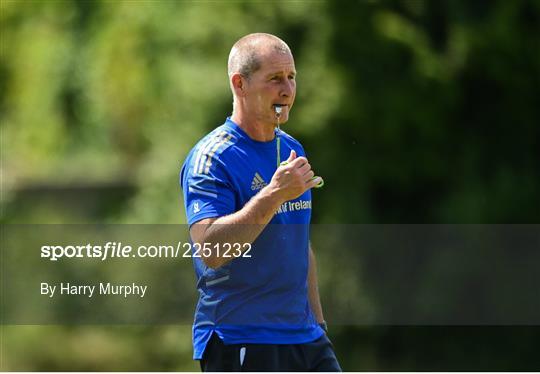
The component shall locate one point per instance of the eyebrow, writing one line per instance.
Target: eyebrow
(280, 73)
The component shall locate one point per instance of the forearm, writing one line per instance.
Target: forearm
(313, 288)
(243, 226)
(289, 181)
(257, 212)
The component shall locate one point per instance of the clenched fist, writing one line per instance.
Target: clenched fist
(293, 178)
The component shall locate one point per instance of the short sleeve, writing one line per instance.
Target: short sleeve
(207, 194)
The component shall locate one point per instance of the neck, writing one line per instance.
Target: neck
(255, 129)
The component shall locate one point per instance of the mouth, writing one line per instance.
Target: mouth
(278, 108)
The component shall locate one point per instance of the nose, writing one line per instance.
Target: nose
(287, 89)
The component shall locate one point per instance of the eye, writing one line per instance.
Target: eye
(275, 78)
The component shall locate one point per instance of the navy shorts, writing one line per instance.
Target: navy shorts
(314, 356)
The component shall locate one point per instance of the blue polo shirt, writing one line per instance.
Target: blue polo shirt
(261, 299)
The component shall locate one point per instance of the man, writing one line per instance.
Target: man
(259, 307)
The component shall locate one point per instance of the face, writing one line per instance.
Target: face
(273, 84)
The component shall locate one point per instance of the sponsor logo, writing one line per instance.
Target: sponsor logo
(292, 206)
(257, 183)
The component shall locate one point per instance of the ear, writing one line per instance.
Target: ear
(238, 84)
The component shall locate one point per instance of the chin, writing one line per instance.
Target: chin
(283, 119)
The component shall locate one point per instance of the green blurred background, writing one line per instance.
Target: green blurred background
(413, 112)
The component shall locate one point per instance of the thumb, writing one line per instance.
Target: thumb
(292, 156)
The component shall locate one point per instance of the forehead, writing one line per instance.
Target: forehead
(277, 61)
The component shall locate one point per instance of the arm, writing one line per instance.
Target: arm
(245, 225)
(313, 288)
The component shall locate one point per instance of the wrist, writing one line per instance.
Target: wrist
(272, 194)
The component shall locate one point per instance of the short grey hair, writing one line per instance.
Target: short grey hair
(245, 56)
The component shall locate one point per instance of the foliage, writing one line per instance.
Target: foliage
(413, 111)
